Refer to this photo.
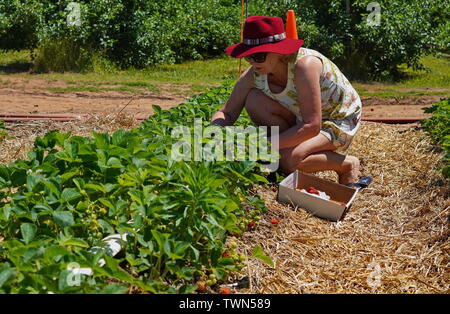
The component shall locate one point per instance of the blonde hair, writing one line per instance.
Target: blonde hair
(289, 58)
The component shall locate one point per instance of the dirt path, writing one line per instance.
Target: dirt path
(14, 101)
(30, 95)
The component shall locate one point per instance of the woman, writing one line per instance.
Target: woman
(301, 91)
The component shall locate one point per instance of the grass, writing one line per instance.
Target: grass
(6, 83)
(192, 77)
(94, 88)
(433, 80)
(15, 61)
(186, 79)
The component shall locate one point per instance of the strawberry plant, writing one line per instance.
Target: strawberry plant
(438, 128)
(2, 130)
(70, 192)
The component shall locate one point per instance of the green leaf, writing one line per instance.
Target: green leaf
(40, 210)
(28, 232)
(52, 186)
(217, 183)
(119, 136)
(63, 218)
(69, 194)
(156, 109)
(113, 289)
(6, 213)
(95, 187)
(106, 202)
(69, 174)
(4, 172)
(106, 226)
(114, 162)
(159, 239)
(33, 180)
(259, 254)
(6, 273)
(18, 177)
(259, 178)
(102, 140)
(55, 251)
(74, 242)
(187, 289)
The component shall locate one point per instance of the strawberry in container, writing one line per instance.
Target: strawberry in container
(311, 190)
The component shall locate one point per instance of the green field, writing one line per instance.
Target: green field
(192, 77)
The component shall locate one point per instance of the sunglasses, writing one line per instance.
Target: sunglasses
(258, 57)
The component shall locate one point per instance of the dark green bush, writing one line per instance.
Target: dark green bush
(139, 33)
(407, 31)
(18, 24)
(62, 55)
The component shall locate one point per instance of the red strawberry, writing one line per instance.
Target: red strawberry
(274, 188)
(312, 190)
(275, 221)
(226, 254)
(224, 290)
(201, 286)
(251, 224)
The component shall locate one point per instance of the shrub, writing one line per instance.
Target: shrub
(139, 33)
(438, 128)
(18, 24)
(62, 55)
(405, 33)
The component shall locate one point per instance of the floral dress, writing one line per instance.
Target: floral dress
(341, 105)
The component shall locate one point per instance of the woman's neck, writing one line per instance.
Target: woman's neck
(279, 73)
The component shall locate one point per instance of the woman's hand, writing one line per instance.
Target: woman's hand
(231, 110)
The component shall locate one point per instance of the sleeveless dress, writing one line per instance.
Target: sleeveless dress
(341, 105)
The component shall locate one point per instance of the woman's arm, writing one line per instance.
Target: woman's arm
(231, 110)
(306, 79)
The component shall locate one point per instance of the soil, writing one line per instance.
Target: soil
(30, 95)
(404, 107)
(23, 95)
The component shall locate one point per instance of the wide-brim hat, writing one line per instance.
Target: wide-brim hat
(264, 34)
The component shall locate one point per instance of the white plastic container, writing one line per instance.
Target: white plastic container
(341, 196)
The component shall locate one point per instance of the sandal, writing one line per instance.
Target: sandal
(362, 183)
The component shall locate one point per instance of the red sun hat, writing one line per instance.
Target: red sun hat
(264, 34)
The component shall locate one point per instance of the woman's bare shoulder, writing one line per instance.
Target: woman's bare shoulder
(247, 78)
(307, 65)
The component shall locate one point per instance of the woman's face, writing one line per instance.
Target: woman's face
(268, 66)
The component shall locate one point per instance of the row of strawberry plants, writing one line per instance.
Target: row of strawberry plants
(71, 191)
(438, 128)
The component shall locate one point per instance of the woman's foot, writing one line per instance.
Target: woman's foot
(350, 173)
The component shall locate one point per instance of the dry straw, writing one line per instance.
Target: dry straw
(394, 239)
(21, 135)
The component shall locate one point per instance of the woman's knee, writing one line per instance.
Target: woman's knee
(254, 99)
(289, 160)
(265, 111)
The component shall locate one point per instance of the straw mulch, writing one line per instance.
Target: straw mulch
(394, 239)
(21, 135)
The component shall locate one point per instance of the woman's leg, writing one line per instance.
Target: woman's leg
(265, 111)
(316, 154)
